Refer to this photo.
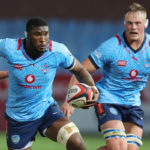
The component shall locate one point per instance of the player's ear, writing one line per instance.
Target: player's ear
(124, 22)
(25, 34)
(146, 23)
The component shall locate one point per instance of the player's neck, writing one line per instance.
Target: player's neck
(31, 52)
(135, 44)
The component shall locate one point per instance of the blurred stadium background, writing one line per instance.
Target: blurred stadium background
(80, 24)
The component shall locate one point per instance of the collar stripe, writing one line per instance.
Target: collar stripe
(118, 38)
(50, 45)
(19, 44)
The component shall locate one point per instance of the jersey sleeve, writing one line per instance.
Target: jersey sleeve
(64, 58)
(104, 53)
(2, 47)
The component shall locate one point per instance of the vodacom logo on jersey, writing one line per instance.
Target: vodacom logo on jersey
(133, 76)
(133, 73)
(30, 78)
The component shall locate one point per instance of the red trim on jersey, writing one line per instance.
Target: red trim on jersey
(118, 38)
(25, 56)
(127, 50)
(143, 50)
(50, 45)
(149, 43)
(100, 109)
(19, 44)
(134, 58)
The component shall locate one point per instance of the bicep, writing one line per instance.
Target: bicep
(89, 65)
(76, 67)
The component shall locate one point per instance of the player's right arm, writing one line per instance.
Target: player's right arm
(3, 74)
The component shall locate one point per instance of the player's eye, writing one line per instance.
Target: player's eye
(129, 23)
(137, 23)
(37, 34)
(46, 33)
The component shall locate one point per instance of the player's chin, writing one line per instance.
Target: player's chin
(134, 37)
(41, 49)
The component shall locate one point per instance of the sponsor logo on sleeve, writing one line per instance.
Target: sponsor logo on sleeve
(98, 54)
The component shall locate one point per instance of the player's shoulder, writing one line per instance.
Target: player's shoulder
(10, 43)
(114, 41)
(110, 45)
(12, 40)
(58, 47)
(147, 36)
(7, 40)
(147, 40)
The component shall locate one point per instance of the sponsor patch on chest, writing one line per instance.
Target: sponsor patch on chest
(17, 66)
(121, 63)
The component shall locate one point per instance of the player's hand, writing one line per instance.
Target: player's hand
(67, 109)
(95, 93)
(92, 102)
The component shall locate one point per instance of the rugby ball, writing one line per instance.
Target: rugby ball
(79, 94)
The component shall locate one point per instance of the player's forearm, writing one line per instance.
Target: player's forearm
(3, 74)
(83, 76)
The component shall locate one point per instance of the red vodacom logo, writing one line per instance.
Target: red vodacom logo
(30, 78)
(133, 73)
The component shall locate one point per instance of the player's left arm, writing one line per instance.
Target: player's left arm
(3, 74)
(80, 74)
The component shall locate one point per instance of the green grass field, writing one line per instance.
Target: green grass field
(92, 142)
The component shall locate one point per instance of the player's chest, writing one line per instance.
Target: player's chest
(131, 63)
(42, 66)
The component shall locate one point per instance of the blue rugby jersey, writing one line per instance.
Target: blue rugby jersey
(30, 81)
(125, 72)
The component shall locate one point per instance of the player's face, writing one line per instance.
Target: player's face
(135, 25)
(39, 37)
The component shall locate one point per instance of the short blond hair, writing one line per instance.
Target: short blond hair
(135, 7)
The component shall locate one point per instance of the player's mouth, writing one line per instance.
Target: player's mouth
(42, 47)
(133, 33)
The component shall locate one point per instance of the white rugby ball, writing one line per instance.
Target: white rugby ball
(79, 94)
